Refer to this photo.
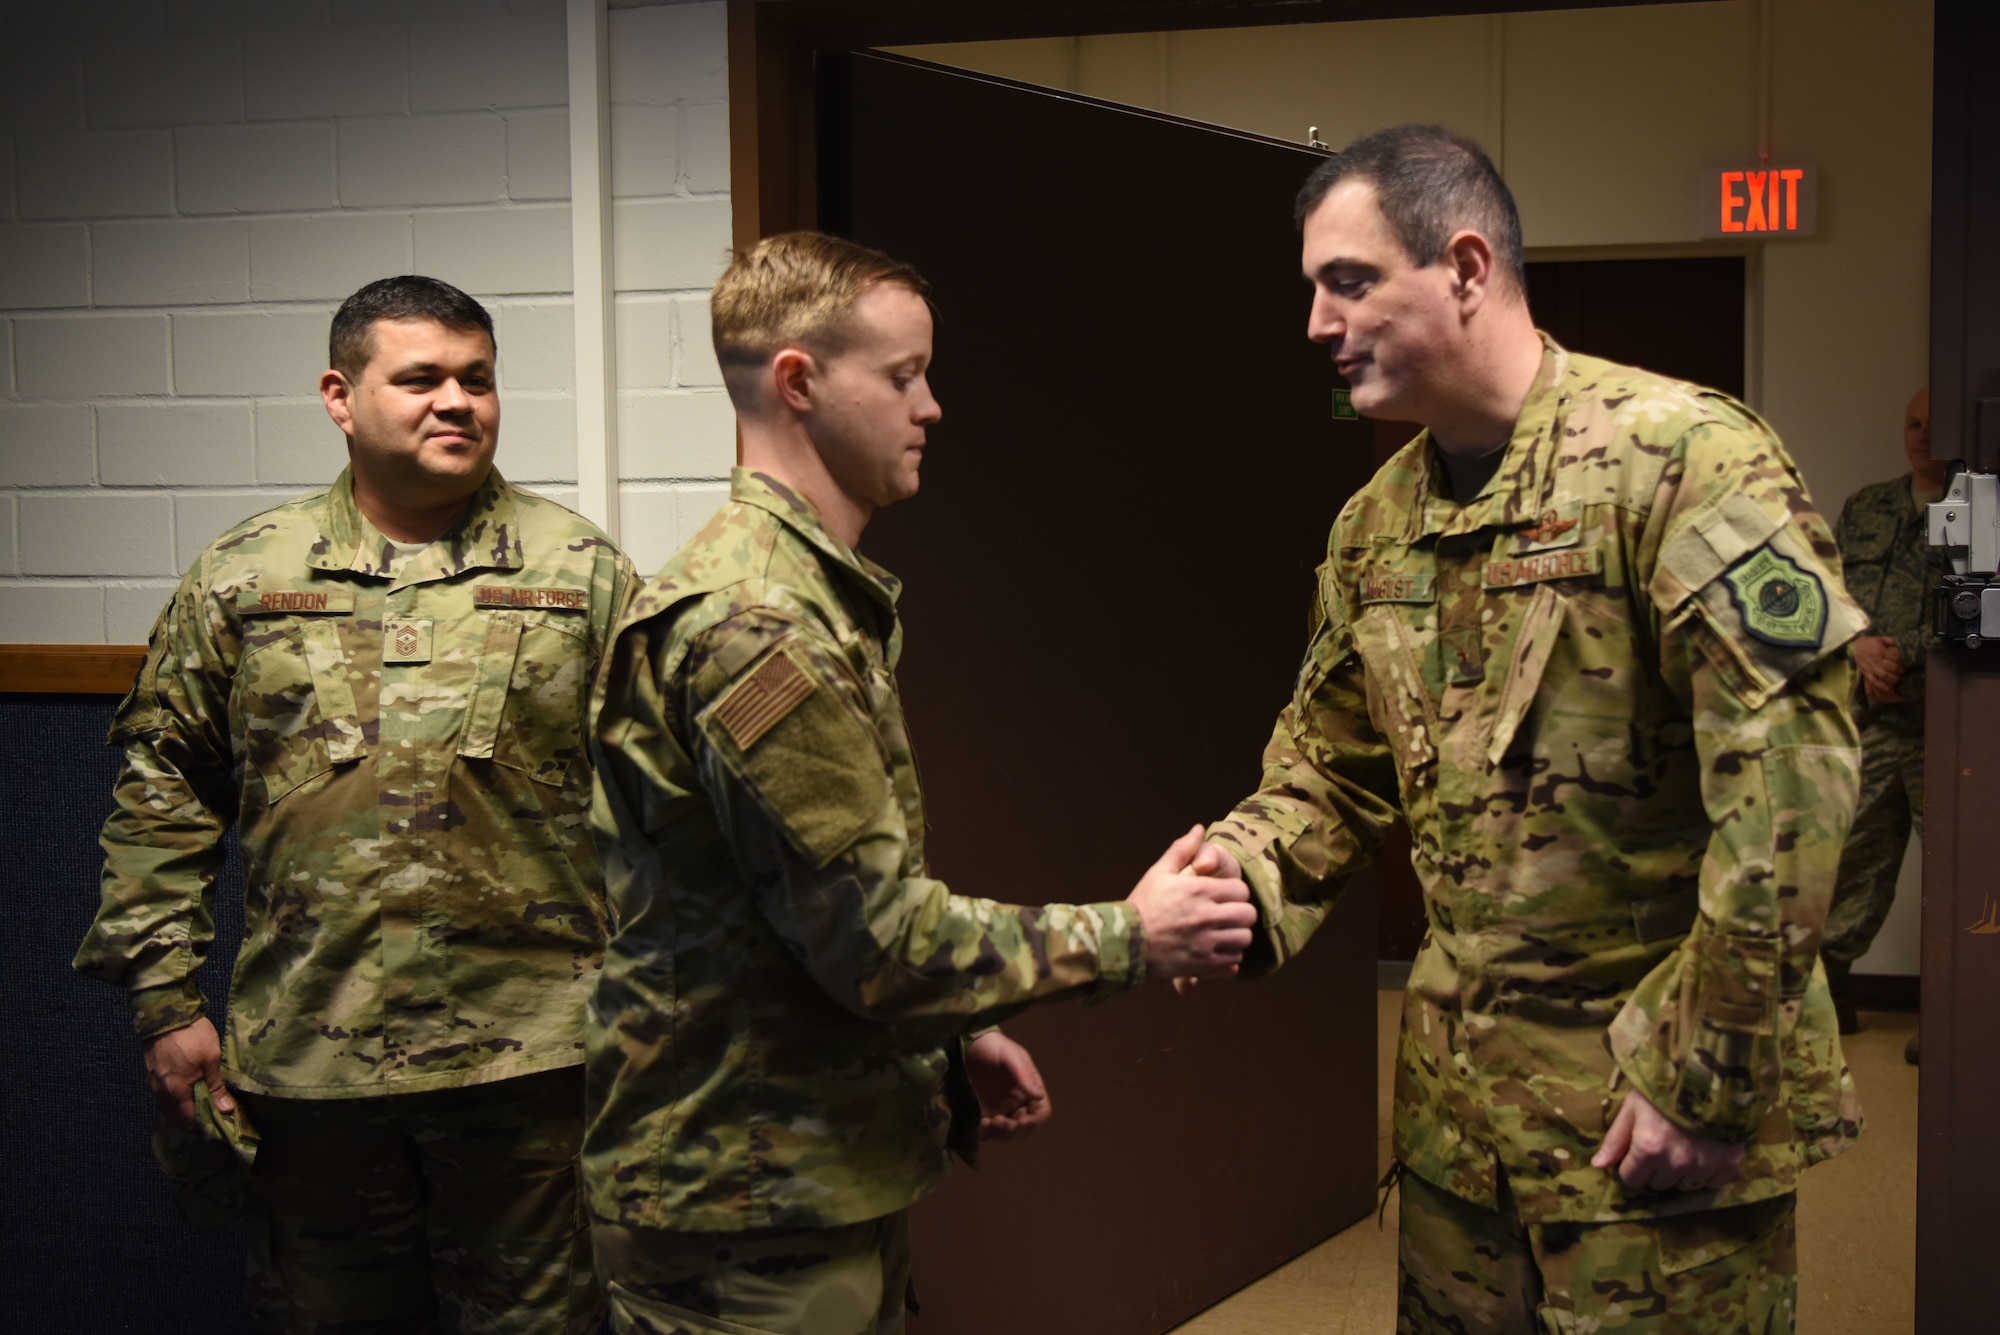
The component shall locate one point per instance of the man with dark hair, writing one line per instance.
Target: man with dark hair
(382, 686)
(794, 1022)
(1584, 635)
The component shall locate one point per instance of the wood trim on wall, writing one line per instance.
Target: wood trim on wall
(70, 669)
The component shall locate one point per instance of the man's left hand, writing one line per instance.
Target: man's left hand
(1012, 1100)
(1652, 1154)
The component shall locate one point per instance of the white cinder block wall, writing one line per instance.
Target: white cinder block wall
(188, 188)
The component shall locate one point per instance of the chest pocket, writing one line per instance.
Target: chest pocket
(528, 702)
(296, 697)
(1398, 701)
(1867, 548)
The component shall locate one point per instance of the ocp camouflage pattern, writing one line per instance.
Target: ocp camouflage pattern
(1890, 569)
(1626, 799)
(774, 1040)
(404, 760)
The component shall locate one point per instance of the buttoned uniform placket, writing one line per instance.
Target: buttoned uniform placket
(426, 688)
(1471, 655)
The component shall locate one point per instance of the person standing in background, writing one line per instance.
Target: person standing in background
(1891, 569)
(382, 687)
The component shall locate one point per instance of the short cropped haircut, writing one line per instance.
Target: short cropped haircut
(1430, 183)
(408, 297)
(794, 290)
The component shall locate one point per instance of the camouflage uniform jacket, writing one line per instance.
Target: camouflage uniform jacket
(1606, 696)
(404, 760)
(774, 1040)
(1891, 568)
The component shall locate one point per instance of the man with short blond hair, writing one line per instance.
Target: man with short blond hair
(794, 1023)
(382, 686)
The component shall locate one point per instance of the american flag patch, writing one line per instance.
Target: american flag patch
(754, 705)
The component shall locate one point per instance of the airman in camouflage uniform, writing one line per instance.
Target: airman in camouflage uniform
(790, 1030)
(396, 729)
(1891, 570)
(1602, 685)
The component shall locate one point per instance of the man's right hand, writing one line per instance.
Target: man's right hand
(1881, 667)
(178, 1058)
(1196, 925)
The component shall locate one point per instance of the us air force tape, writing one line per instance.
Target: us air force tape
(1781, 603)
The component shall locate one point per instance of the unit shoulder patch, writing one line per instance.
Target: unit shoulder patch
(753, 706)
(1781, 603)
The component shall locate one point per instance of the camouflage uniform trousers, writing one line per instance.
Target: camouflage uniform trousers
(1892, 801)
(449, 1210)
(853, 1280)
(1467, 1270)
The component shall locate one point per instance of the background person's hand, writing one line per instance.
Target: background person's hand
(1210, 860)
(178, 1058)
(1012, 1099)
(1881, 665)
(1652, 1154)
(1196, 925)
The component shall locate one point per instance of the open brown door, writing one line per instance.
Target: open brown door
(1108, 576)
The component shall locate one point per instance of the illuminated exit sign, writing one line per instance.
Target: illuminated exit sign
(1774, 200)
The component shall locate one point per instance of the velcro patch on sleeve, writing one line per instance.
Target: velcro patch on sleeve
(754, 705)
(1781, 603)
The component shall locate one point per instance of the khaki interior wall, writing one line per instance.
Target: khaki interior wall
(1601, 120)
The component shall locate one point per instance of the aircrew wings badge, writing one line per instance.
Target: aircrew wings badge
(754, 705)
(1781, 603)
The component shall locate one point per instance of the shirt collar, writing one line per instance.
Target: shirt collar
(1517, 491)
(486, 536)
(798, 514)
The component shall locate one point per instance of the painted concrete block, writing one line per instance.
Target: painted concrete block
(647, 527)
(326, 258)
(645, 337)
(240, 16)
(537, 346)
(667, 244)
(645, 150)
(299, 74)
(538, 155)
(164, 81)
(44, 266)
(255, 168)
(694, 344)
(707, 169)
(500, 62)
(563, 496)
(406, 11)
(91, 356)
(95, 174)
(670, 53)
(170, 263)
(6, 359)
(675, 434)
(7, 199)
(86, 19)
(249, 352)
(202, 517)
(51, 613)
(132, 606)
(9, 565)
(423, 160)
(176, 444)
(47, 445)
(100, 533)
(41, 86)
(537, 438)
(497, 251)
(297, 444)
